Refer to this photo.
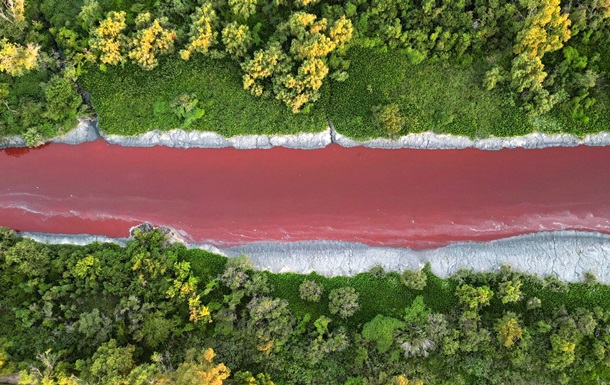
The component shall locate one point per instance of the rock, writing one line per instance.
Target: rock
(86, 131)
(142, 227)
(568, 255)
(171, 236)
(10, 379)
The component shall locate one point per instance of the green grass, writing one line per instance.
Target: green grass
(378, 295)
(385, 293)
(125, 100)
(441, 97)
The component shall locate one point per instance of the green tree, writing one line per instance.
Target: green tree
(310, 291)
(243, 8)
(343, 302)
(270, 322)
(474, 297)
(510, 291)
(415, 280)
(382, 331)
(62, 100)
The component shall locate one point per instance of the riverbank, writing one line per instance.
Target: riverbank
(87, 131)
(568, 255)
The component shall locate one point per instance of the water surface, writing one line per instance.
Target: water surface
(414, 198)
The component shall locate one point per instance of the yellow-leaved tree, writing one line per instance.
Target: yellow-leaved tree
(545, 30)
(151, 40)
(199, 369)
(16, 59)
(203, 34)
(108, 42)
(295, 77)
(12, 11)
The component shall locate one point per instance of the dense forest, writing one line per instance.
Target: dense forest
(374, 68)
(159, 313)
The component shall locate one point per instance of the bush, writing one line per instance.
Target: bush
(415, 280)
(310, 291)
(343, 302)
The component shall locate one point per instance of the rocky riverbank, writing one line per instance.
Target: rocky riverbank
(568, 255)
(87, 130)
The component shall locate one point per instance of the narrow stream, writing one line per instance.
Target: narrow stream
(408, 198)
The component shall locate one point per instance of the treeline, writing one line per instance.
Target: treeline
(154, 313)
(545, 52)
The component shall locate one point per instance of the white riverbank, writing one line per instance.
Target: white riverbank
(87, 130)
(566, 254)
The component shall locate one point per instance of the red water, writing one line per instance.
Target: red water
(417, 198)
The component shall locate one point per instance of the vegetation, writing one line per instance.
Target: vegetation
(154, 313)
(374, 68)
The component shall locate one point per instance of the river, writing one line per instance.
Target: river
(226, 197)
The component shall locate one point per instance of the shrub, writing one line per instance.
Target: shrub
(343, 302)
(310, 291)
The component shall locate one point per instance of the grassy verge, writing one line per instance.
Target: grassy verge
(439, 97)
(126, 99)
(434, 96)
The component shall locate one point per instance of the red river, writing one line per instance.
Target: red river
(414, 198)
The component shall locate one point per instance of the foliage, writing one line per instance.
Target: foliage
(229, 110)
(150, 40)
(343, 302)
(16, 59)
(509, 330)
(107, 40)
(112, 315)
(310, 291)
(474, 68)
(382, 330)
(415, 280)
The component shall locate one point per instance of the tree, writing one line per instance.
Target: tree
(310, 291)
(382, 330)
(562, 353)
(243, 8)
(270, 322)
(203, 33)
(237, 39)
(151, 40)
(508, 330)
(389, 119)
(343, 302)
(29, 259)
(510, 291)
(111, 364)
(12, 11)
(474, 297)
(545, 30)
(62, 99)
(295, 76)
(415, 280)
(200, 369)
(108, 41)
(16, 59)
(247, 378)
